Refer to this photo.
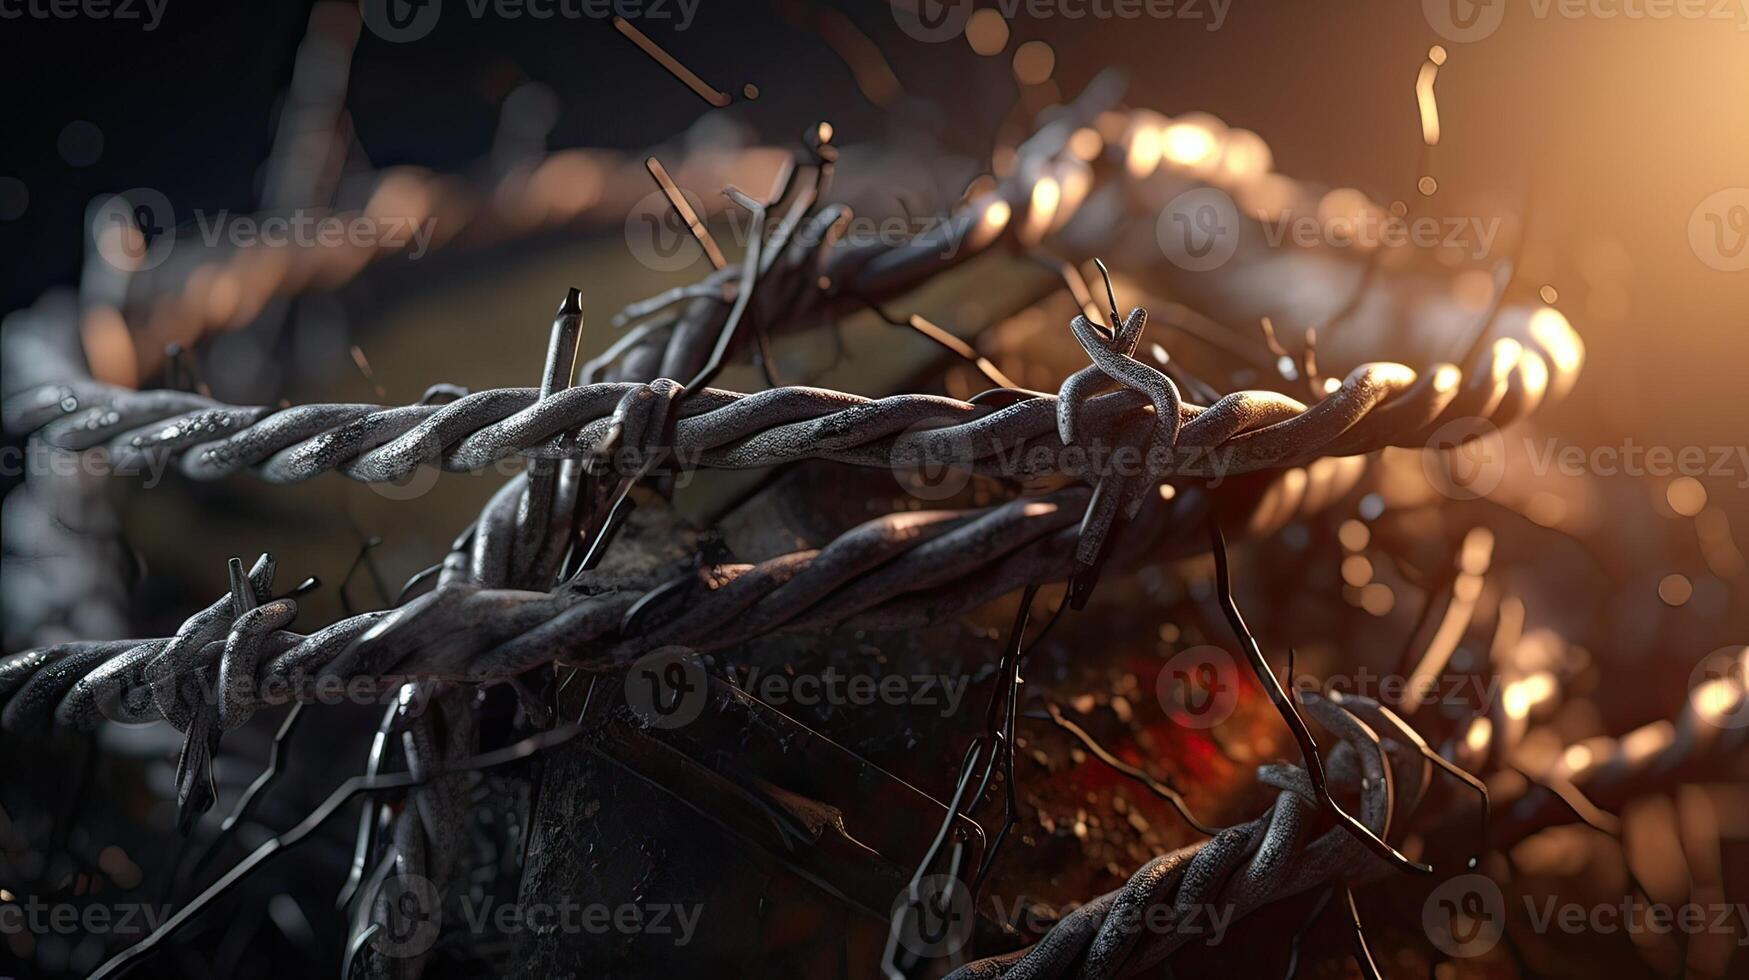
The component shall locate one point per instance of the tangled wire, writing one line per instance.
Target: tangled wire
(522, 588)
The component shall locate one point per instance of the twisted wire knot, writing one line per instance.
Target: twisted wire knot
(1114, 365)
(1275, 856)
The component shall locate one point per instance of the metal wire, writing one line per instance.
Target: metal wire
(1378, 405)
(897, 571)
(1270, 859)
(864, 576)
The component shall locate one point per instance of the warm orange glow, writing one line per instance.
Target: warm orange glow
(1086, 143)
(1190, 144)
(1675, 589)
(1144, 150)
(1429, 104)
(1526, 693)
(1552, 330)
(1034, 62)
(1245, 156)
(1046, 195)
(109, 347)
(987, 31)
(1686, 496)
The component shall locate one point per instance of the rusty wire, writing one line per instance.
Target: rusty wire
(1272, 857)
(486, 623)
(864, 576)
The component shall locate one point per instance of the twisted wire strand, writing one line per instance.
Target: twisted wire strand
(1713, 726)
(1380, 757)
(1270, 858)
(463, 631)
(888, 572)
(1377, 405)
(904, 569)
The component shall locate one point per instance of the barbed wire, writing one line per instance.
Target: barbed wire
(491, 619)
(1387, 765)
(1377, 405)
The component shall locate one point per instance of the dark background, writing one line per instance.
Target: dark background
(1609, 132)
(1612, 129)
